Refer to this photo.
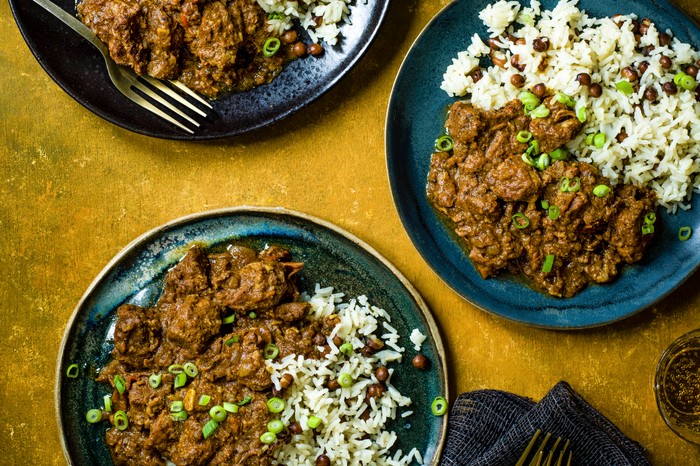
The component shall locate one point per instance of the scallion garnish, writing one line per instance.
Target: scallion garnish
(268, 437)
(154, 380)
(625, 87)
(345, 379)
(540, 112)
(529, 100)
(218, 413)
(252, 315)
(276, 405)
(523, 136)
(581, 114)
(544, 203)
(520, 220)
(684, 233)
(601, 190)
(93, 416)
(548, 263)
(108, 403)
(346, 349)
(180, 380)
(439, 406)
(229, 319)
(209, 428)
(559, 154)
(271, 46)
(190, 369)
(270, 351)
(120, 419)
(119, 384)
(599, 140)
(72, 371)
(444, 143)
(204, 400)
(564, 99)
(650, 218)
(543, 161)
(553, 212)
(179, 416)
(527, 158)
(275, 426)
(313, 422)
(647, 229)
(688, 83)
(232, 340)
(176, 369)
(176, 406)
(245, 401)
(230, 407)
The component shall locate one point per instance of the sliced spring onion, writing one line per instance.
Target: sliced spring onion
(154, 380)
(268, 437)
(276, 405)
(252, 315)
(548, 263)
(176, 406)
(582, 114)
(534, 148)
(204, 400)
(564, 184)
(543, 161)
(647, 229)
(209, 428)
(230, 407)
(120, 419)
(108, 403)
(564, 99)
(93, 416)
(523, 136)
(677, 78)
(575, 184)
(271, 46)
(271, 351)
(313, 422)
(559, 154)
(650, 218)
(540, 112)
(625, 87)
(444, 143)
(528, 99)
(229, 319)
(275, 426)
(346, 349)
(245, 401)
(180, 380)
(190, 369)
(520, 220)
(544, 203)
(599, 140)
(232, 340)
(688, 83)
(601, 190)
(179, 416)
(176, 369)
(527, 158)
(684, 233)
(589, 139)
(439, 406)
(72, 371)
(553, 212)
(345, 379)
(218, 413)
(119, 384)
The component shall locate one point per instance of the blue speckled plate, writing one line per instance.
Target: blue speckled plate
(331, 257)
(79, 69)
(417, 109)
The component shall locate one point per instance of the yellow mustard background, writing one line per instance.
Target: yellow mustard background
(74, 190)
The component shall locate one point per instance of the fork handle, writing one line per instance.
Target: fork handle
(72, 22)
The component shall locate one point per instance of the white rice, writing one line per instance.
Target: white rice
(345, 438)
(333, 12)
(661, 150)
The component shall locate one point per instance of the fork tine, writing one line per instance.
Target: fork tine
(146, 90)
(523, 457)
(189, 92)
(551, 452)
(561, 453)
(138, 100)
(568, 463)
(172, 94)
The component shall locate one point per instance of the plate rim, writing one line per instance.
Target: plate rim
(231, 132)
(400, 208)
(233, 211)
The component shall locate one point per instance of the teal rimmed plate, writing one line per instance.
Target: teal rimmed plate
(331, 256)
(415, 117)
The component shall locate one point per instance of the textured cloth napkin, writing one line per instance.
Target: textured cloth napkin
(490, 427)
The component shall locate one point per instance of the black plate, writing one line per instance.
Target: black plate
(79, 69)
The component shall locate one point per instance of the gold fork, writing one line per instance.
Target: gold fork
(544, 456)
(126, 80)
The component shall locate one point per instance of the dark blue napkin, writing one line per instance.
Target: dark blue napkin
(492, 428)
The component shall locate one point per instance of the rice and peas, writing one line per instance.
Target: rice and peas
(651, 128)
(351, 431)
(320, 18)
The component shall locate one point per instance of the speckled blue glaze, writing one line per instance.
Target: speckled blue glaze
(79, 69)
(331, 257)
(417, 109)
